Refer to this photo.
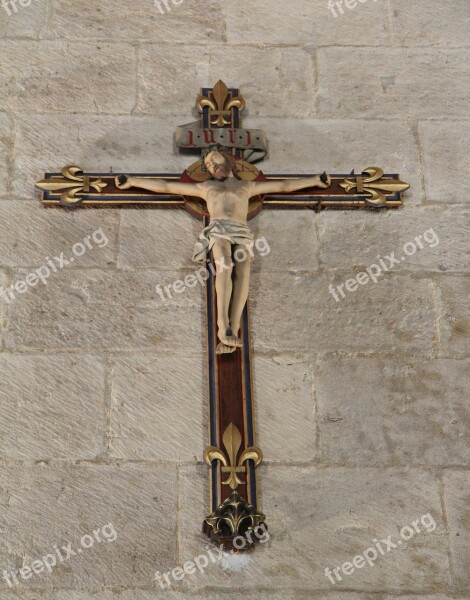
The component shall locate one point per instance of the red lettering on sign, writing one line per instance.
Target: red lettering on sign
(191, 139)
(209, 136)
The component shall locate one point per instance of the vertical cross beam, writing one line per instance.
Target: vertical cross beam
(232, 455)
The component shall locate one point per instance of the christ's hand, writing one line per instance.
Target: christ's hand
(123, 182)
(324, 181)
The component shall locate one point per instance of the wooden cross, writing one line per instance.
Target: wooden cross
(231, 454)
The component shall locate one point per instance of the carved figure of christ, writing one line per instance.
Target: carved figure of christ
(227, 199)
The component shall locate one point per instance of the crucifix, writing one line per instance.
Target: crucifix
(224, 189)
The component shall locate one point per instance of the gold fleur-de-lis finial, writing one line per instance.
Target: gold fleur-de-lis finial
(374, 185)
(220, 102)
(74, 183)
(232, 440)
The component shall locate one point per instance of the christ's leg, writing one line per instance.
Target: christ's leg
(241, 286)
(222, 252)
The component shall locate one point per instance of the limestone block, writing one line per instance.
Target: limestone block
(5, 282)
(392, 82)
(284, 240)
(304, 22)
(52, 406)
(296, 312)
(455, 314)
(456, 495)
(65, 502)
(444, 25)
(285, 410)
(23, 19)
(150, 21)
(390, 411)
(363, 238)
(158, 408)
(88, 237)
(107, 310)
(162, 239)
(61, 76)
(446, 166)
(6, 142)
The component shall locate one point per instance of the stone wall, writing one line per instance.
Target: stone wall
(362, 404)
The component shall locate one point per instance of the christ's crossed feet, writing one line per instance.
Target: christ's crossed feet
(228, 342)
(223, 349)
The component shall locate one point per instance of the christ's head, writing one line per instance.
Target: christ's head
(219, 165)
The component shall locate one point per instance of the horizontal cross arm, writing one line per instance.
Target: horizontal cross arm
(372, 188)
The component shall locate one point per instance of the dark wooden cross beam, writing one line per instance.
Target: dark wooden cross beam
(232, 453)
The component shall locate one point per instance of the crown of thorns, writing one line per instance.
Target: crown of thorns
(215, 148)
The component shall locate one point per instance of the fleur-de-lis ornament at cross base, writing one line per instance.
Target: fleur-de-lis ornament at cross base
(232, 440)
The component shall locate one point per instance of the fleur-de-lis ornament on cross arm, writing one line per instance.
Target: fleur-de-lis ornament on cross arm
(374, 185)
(75, 185)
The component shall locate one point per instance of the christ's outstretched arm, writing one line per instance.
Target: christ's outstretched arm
(161, 186)
(290, 185)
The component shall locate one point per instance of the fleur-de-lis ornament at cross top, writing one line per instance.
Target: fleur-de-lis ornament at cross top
(220, 104)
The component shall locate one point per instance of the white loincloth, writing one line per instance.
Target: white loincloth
(235, 233)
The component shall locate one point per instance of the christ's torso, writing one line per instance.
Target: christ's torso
(228, 199)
